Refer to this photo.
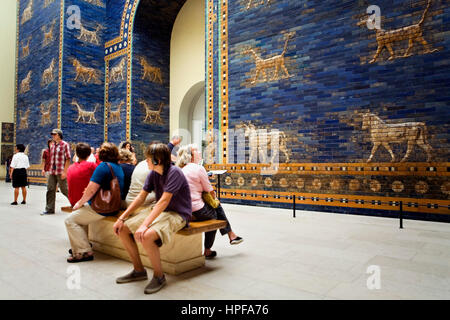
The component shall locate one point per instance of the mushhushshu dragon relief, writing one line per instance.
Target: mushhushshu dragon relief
(152, 116)
(98, 3)
(114, 116)
(46, 109)
(382, 134)
(150, 72)
(83, 114)
(90, 36)
(412, 33)
(85, 74)
(257, 3)
(260, 140)
(276, 63)
(27, 12)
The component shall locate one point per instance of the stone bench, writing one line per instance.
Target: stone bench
(183, 253)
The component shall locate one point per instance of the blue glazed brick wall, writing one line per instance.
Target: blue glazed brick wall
(151, 41)
(35, 133)
(88, 49)
(331, 82)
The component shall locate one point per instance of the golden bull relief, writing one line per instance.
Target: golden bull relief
(412, 33)
(25, 83)
(48, 34)
(47, 75)
(26, 48)
(150, 72)
(46, 112)
(27, 12)
(116, 73)
(276, 64)
(382, 134)
(23, 121)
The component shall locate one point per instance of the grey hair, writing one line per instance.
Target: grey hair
(184, 155)
(125, 155)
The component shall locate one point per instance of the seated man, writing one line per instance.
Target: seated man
(83, 215)
(155, 226)
(79, 173)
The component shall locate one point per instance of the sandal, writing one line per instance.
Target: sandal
(84, 257)
(70, 250)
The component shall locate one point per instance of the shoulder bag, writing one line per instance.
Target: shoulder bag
(108, 201)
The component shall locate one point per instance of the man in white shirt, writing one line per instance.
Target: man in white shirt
(140, 173)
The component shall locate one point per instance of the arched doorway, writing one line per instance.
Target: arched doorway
(192, 115)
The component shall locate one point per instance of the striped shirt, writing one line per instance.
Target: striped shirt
(59, 154)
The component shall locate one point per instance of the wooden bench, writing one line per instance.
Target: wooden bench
(183, 253)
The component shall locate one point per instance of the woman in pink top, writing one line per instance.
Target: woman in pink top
(196, 175)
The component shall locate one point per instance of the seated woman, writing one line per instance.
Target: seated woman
(126, 159)
(82, 215)
(196, 175)
(127, 146)
(79, 173)
(156, 225)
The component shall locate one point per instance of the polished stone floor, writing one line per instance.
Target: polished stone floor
(313, 256)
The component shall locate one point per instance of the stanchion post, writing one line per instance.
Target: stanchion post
(401, 214)
(294, 204)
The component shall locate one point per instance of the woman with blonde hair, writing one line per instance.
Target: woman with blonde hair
(188, 157)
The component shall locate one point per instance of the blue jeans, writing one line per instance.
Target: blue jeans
(208, 213)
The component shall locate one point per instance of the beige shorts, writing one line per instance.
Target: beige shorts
(165, 225)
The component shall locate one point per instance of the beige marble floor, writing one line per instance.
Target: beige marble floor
(314, 256)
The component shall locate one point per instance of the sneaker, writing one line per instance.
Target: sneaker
(212, 255)
(14, 203)
(46, 212)
(155, 285)
(23, 202)
(133, 276)
(236, 240)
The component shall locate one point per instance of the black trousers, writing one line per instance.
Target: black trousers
(208, 213)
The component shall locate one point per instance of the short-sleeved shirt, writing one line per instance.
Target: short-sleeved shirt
(20, 161)
(78, 176)
(198, 181)
(46, 159)
(128, 172)
(102, 176)
(59, 153)
(140, 174)
(174, 182)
